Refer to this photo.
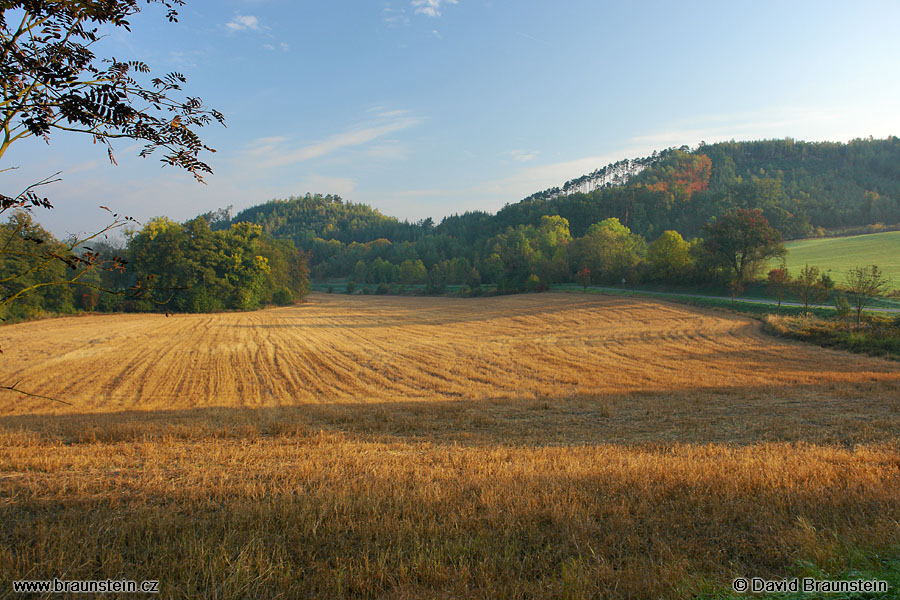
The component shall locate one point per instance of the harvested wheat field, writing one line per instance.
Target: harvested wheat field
(552, 445)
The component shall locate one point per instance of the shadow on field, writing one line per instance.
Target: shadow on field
(845, 414)
(344, 520)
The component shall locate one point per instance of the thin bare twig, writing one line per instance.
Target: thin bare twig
(13, 388)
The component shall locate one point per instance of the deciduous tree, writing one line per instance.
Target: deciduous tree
(608, 250)
(863, 285)
(778, 283)
(742, 241)
(809, 286)
(584, 277)
(669, 257)
(53, 82)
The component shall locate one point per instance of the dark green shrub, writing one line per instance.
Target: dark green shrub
(842, 305)
(282, 296)
(532, 284)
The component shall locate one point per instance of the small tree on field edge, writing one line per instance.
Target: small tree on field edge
(863, 285)
(809, 287)
(584, 277)
(779, 281)
(735, 288)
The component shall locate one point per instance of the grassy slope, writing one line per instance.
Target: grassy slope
(838, 255)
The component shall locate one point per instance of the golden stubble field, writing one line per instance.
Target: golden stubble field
(554, 445)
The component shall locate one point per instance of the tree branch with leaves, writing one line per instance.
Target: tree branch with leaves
(52, 81)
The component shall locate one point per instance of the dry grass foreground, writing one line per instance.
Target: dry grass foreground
(526, 446)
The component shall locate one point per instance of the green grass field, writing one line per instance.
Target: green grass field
(836, 256)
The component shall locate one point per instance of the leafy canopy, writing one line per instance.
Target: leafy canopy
(52, 81)
(742, 240)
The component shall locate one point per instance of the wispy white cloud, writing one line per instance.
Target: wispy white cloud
(431, 8)
(383, 113)
(265, 145)
(271, 152)
(181, 59)
(493, 193)
(394, 17)
(388, 150)
(522, 155)
(284, 47)
(533, 39)
(88, 165)
(243, 22)
(779, 123)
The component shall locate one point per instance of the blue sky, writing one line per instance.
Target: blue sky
(430, 107)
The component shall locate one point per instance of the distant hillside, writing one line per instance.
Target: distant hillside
(801, 188)
(305, 218)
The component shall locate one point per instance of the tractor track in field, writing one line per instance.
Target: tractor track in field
(336, 348)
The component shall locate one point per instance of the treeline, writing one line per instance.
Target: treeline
(666, 217)
(735, 250)
(306, 218)
(800, 188)
(164, 266)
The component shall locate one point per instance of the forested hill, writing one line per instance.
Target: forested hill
(800, 187)
(305, 218)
